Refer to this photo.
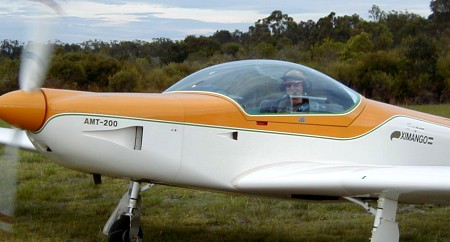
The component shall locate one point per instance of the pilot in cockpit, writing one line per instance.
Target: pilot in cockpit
(294, 86)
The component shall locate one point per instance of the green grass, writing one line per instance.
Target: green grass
(436, 109)
(58, 204)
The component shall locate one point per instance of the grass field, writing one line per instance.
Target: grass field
(441, 110)
(58, 204)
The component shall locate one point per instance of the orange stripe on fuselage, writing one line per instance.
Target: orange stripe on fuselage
(217, 110)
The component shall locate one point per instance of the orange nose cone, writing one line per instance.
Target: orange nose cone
(24, 110)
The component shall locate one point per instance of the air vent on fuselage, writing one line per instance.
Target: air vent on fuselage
(231, 135)
(235, 135)
(130, 137)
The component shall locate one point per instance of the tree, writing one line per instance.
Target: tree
(279, 24)
(168, 51)
(61, 49)
(202, 46)
(375, 73)
(419, 64)
(376, 14)
(263, 50)
(405, 24)
(124, 81)
(443, 73)
(324, 28)
(9, 70)
(223, 36)
(10, 49)
(304, 32)
(440, 15)
(231, 48)
(327, 52)
(237, 36)
(98, 69)
(67, 71)
(382, 37)
(97, 46)
(258, 33)
(345, 27)
(357, 45)
(421, 54)
(127, 50)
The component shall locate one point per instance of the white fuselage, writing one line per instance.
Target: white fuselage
(211, 157)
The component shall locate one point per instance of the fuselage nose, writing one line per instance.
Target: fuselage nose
(24, 110)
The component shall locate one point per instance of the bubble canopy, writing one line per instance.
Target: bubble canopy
(259, 87)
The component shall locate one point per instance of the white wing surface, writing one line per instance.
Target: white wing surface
(415, 184)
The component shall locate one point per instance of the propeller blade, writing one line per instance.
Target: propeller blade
(35, 59)
(8, 166)
(34, 64)
(52, 4)
(36, 53)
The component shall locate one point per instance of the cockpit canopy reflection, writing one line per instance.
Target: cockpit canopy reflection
(259, 87)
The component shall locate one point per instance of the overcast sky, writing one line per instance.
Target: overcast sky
(84, 20)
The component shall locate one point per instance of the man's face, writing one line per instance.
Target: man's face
(294, 87)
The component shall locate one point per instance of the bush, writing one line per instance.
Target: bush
(123, 81)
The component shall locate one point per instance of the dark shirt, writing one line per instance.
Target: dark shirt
(285, 105)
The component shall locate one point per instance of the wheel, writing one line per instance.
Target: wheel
(120, 230)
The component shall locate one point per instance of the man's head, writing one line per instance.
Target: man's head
(294, 82)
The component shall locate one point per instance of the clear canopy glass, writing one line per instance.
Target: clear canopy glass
(259, 87)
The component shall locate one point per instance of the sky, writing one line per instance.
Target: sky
(71, 21)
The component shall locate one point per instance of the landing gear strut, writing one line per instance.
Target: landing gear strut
(124, 223)
(385, 228)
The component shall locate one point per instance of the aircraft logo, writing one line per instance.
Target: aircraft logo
(418, 138)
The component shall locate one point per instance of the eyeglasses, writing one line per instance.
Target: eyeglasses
(294, 84)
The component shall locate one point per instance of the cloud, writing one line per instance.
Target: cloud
(133, 12)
